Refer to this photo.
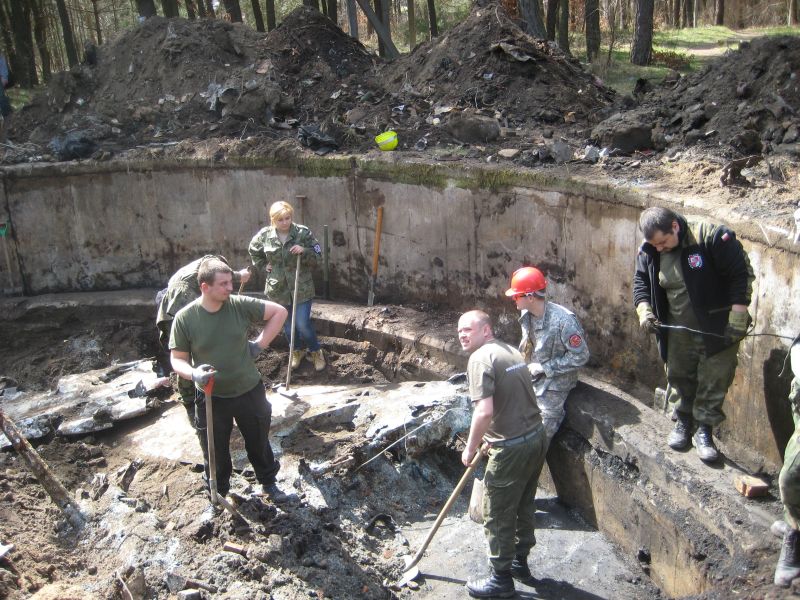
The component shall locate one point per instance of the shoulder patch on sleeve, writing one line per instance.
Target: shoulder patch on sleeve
(575, 340)
(317, 249)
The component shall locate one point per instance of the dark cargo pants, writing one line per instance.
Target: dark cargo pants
(253, 415)
(696, 383)
(510, 482)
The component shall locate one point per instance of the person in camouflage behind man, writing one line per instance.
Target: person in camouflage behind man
(274, 249)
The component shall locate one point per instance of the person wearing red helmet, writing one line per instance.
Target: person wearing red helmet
(553, 344)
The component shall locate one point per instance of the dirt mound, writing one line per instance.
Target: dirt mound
(173, 79)
(747, 101)
(170, 80)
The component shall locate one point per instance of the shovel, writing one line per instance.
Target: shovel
(212, 462)
(294, 315)
(411, 570)
(375, 253)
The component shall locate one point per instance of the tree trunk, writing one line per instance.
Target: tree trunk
(552, 19)
(792, 17)
(96, 13)
(24, 65)
(642, 47)
(209, 9)
(563, 26)
(412, 24)
(170, 8)
(531, 13)
(190, 10)
(146, 8)
(379, 4)
(719, 12)
(233, 9)
(259, 18)
(333, 11)
(40, 33)
(592, 17)
(311, 3)
(676, 14)
(432, 19)
(270, 5)
(66, 29)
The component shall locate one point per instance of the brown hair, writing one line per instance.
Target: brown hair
(207, 273)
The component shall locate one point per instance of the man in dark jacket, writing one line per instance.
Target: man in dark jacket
(691, 288)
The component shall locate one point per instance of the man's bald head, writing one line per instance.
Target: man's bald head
(474, 330)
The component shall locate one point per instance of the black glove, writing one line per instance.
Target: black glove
(202, 373)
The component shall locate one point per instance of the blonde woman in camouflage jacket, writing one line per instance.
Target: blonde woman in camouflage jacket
(274, 250)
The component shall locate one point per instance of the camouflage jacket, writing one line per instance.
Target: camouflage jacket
(271, 256)
(558, 343)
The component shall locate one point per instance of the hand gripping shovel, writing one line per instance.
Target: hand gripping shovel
(241, 524)
(411, 570)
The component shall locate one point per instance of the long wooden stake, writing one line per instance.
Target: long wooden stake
(294, 315)
(58, 493)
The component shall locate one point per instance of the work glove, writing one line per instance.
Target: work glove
(737, 326)
(647, 318)
(536, 370)
(202, 373)
(254, 348)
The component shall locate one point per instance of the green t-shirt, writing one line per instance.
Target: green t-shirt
(220, 339)
(497, 369)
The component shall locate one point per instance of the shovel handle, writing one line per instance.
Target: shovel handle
(208, 387)
(376, 251)
(450, 501)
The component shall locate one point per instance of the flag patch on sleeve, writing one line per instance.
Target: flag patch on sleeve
(575, 340)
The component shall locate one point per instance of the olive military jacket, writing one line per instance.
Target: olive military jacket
(266, 250)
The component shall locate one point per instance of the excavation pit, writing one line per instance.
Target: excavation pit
(451, 239)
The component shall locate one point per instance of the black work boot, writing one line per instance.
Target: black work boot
(704, 443)
(497, 585)
(520, 570)
(679, 436)
(788, 567)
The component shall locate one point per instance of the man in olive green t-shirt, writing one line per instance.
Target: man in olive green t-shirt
(209, 339)
(508, 419)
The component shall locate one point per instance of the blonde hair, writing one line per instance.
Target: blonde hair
(279, 209)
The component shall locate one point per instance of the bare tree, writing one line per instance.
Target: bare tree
(257, 16)
(563, 26)
(170, 8)
(792, 20)
(270, 5)
(23, 61)
(40, 34)
(552, 19)
(592, 18)
(146, 8)
(432, 19)
(719, 12)
(352, 17)
(233, 9)
(332, 10)
(96, 13)
(531, 13)
(642, 47)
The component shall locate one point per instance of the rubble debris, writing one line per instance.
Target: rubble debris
(751, 487)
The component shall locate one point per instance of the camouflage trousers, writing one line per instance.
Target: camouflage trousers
(696, 383)
(510, 482)
(551, 403)
(789, 478)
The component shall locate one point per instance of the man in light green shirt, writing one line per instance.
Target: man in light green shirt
(209, 339)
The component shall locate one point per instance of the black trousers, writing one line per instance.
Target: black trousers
(253, 415)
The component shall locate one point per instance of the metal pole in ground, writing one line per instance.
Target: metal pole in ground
(326, 283)
(294, 315)
(3, 231)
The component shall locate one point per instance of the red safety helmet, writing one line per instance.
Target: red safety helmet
(527, 280)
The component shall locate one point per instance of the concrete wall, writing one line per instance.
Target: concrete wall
(451, 238)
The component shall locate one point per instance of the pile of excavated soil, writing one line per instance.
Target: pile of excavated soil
(172, 79)
(743, 103)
